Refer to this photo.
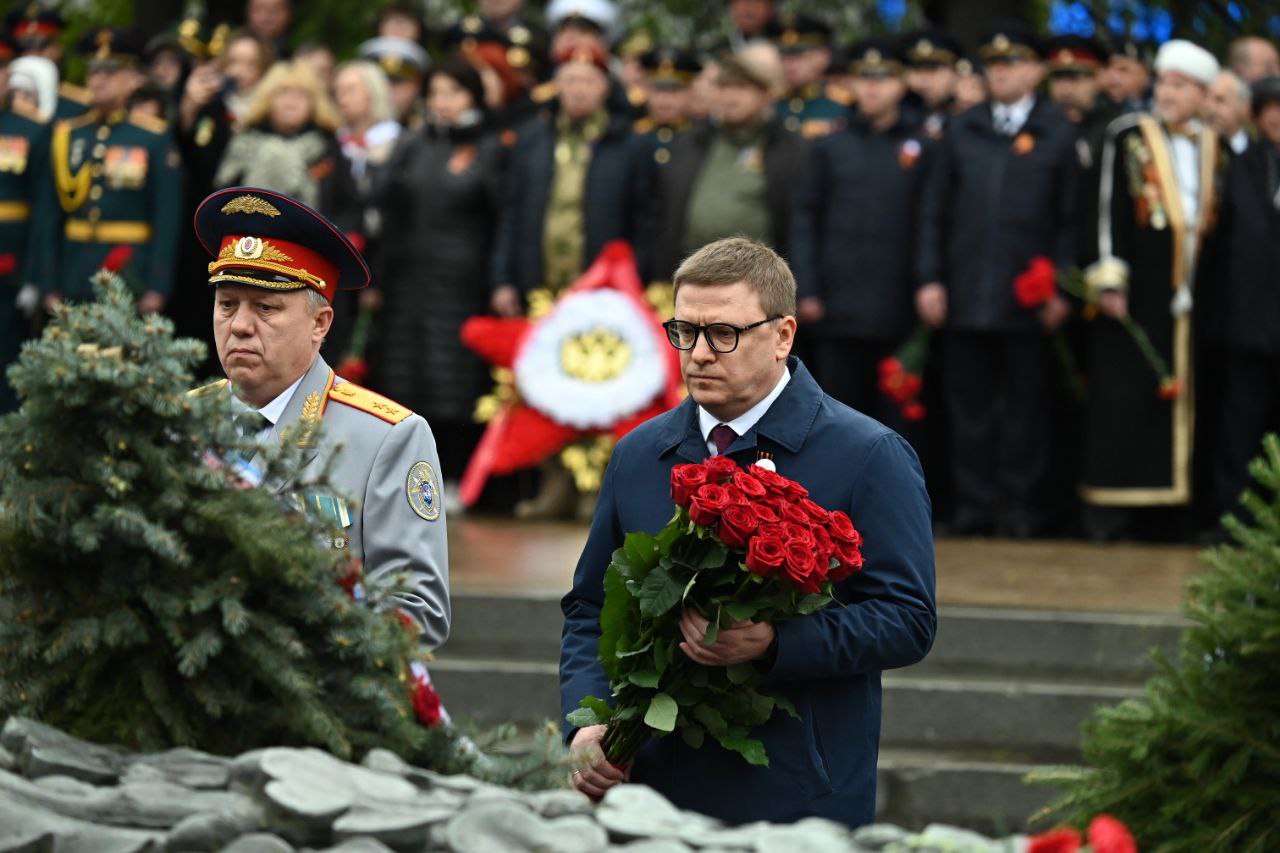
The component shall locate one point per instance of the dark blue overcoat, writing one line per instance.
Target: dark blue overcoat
(829, 663)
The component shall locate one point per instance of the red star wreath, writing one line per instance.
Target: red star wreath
(596, 364)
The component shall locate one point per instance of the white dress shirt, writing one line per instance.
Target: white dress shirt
(274, 410)
(745, 421)
(1186, 170)
(1009, 118)
(1239, 141)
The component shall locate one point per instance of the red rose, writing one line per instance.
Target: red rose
(748, 485)
(426, 703)
(736, 526)
(766, 513)
(765, 555)
(117, 258)
(1055, 841)
(771, 480)
(735, 495)
(850, 559)
(826, 548)
(1108, 835)
(794, 490)
(794, 514)
(798, 533)
(841, 528)
(816, 514)
(1037, 284)
(708, 503)
(801, 567)
(720, 468)
(685, 479)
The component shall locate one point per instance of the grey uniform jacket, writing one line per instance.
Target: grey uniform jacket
(389, 474)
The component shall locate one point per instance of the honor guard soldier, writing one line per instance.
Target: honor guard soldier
(26, 203)
(932, 57)
(277, 265)
(118, 183)
(36, 29)
(810, 108)
(668, 75)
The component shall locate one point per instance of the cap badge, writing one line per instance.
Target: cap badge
(1000, 42)
(248, 248)
(250, 204)
(873, 56)
(925, 48)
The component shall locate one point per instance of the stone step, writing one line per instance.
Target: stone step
(1041, 719)
(917, 788)
(1102, 647)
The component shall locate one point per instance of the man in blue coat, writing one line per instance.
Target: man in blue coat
(735, 326)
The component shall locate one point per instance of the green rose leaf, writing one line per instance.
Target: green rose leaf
(642, 549)
(645, 678)
(740, 673)
(662, 713)
(659, 593)
(741, 610)
(710, 718)
(749, 748)
(813, 603)
(594, 712)
(785, 704)
(693, 734)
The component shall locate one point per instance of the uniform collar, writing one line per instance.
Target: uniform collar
(786, 423)
(109, 116)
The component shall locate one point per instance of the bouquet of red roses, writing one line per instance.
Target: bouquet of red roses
(743, 544)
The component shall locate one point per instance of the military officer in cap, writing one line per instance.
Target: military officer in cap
(932, 74)
(405, 63)
(810, 107)
(510, 70)
(1126, 77)
(118, 183)
(26, 208)
(858, 207)
(668, 75)
(1003, 192)
(277, 264)
(37, 29)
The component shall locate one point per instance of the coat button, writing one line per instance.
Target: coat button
(95, 193)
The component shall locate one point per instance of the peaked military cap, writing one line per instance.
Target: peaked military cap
(1009, 41)
(111, 46)
(797, 32)
(601, 15)
(264, 239)
(400, 58)
(668, 66)
(931, 47)
(1132, 48)
(32, 24)
(1072, 53)
(876, 57)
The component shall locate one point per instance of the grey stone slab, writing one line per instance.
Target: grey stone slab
(213, 831)
(653, 845)
(384, 761)
(142, 805)
(501, 827)
(985, 795)
(259, 842)
(360, 845)
(559, 803)
(402, 829)
(316, 788)
(813, 835)
(41, 750)
(23, 825)
(632, 812)
(877, 836)
(7, 761)
(186, 767)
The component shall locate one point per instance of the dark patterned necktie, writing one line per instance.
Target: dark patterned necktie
(723, 436)
(250, 423)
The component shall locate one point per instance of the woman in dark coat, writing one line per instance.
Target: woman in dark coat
(438, 204)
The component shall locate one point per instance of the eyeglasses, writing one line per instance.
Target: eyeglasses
(721, 337)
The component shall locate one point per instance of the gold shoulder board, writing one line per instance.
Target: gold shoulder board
(71, 92)
(137, 118)
(205, 390)
(544, 92)
(358, 397)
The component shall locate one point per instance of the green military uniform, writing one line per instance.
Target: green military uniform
(73, 101)
(386, 473)
(118, 185)
(26, 203)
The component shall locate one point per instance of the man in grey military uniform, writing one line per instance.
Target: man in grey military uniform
(277, 264)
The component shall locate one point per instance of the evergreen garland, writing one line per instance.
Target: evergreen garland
(1194, 764)
(149, 598)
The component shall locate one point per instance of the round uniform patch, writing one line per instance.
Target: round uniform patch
(424, 495)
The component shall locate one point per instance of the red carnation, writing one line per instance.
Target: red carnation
(890, 366)
(426, 703)
(8, 263)
(1108, 835)
(748, 485)
(720, 468)
(765, 555)
(353, 369)
(801, 566)
(1170, 388)
(117, 258)
(685, 479)
(1037, 284)
(914, 412)
(737, 523)
(709, 502)
(1055, 841)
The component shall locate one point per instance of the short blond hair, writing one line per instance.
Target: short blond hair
(736, 259)
(295, 75)
(375, 84)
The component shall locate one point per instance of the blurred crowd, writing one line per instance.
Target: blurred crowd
(912, 182)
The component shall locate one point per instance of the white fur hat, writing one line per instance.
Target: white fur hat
(1188, 59)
